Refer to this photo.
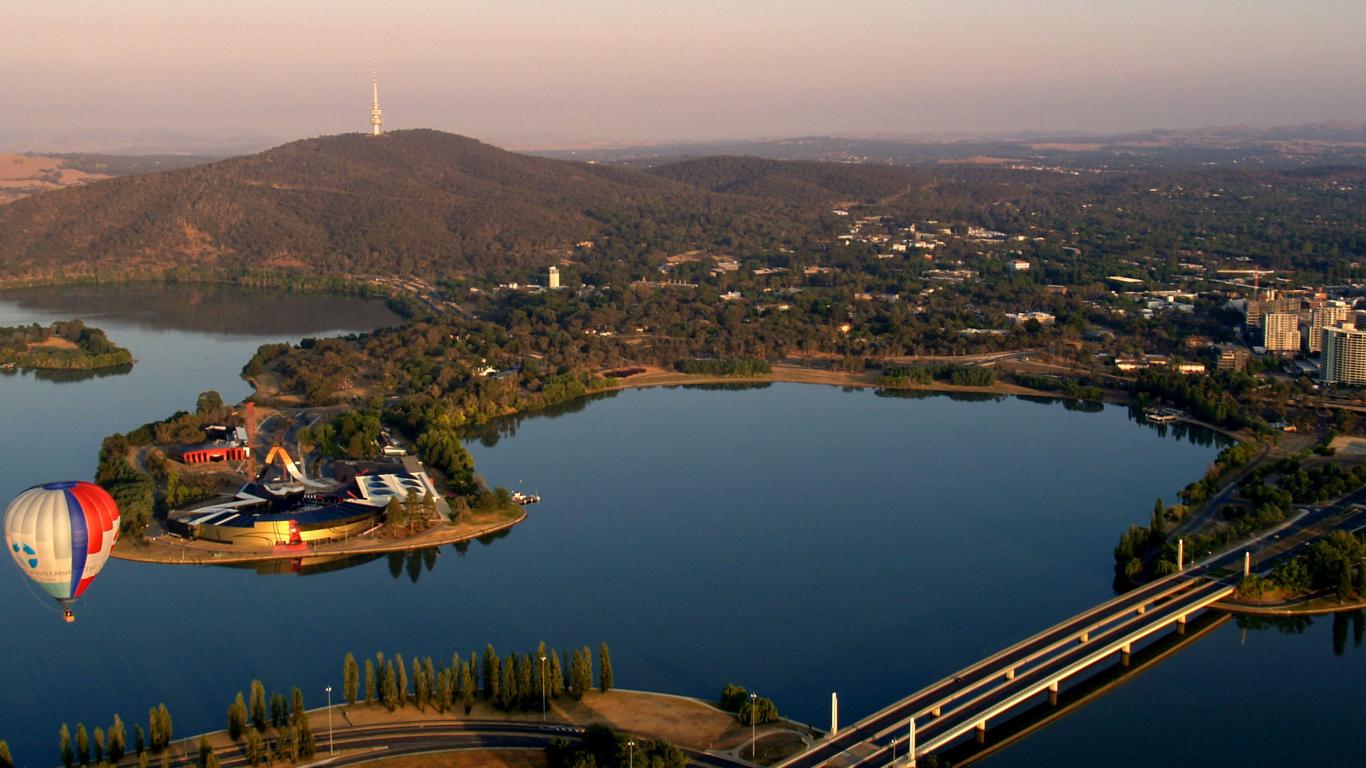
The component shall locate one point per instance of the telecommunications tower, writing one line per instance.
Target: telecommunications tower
(376, 117)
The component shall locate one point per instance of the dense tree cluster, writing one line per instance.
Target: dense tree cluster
(66, 345)
(512, 682)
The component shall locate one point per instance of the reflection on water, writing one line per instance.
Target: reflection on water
(303, 566)
(930, 394)
(1345, 624)
(68, 376)
(207, 308)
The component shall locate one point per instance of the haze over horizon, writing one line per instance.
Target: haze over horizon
(155, 75)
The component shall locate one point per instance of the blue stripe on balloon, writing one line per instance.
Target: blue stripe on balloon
(80, 540)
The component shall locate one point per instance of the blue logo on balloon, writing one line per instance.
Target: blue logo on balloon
(32, 561)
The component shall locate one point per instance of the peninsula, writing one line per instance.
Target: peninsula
(66, 345)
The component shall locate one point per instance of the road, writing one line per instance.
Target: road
(363, 744)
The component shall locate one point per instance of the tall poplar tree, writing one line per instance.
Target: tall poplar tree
(604, 668)
(350, 679)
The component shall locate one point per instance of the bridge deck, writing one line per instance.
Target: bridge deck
(962, 699)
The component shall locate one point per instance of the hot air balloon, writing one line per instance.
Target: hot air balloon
(61, 534)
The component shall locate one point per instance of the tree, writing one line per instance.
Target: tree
(429, 670)
(390, 687)
(144, 760)
(350, 679)
(758, 711)
(258, 705)
(167, 731)
(369, 681)
(296, 704)
(507, 688)
(556, 676)
(420, 689)
(1159, 517)
(254, 748)
(97, 741)
(279, 710)
(117, 740)
(467, 687)
(64, 744)
(490, 671)
(604, 668)
(394, 514)
(6, 759)
(205, 749)
(580, 674)
(402, 680)
(305, 736)
(139, 739)
(526, 687)
(82, 745)
(209, 403)
(237, 717)
(732, 697)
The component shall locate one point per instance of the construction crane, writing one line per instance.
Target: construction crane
(1256, 274)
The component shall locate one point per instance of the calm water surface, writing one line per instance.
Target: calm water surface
(795, 539)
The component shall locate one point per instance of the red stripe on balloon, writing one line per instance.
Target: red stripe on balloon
(95, 504)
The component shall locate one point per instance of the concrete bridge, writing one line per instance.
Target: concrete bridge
(964, 704)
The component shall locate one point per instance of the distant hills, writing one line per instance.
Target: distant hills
(27, 174)
(410, 201)
(1330, 142)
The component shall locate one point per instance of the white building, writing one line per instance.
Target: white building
(1344, 355)
(1019, 265)
(1332, 313)
(1282, 332)
(553, 278)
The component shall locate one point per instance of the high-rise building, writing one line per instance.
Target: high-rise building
(553, 278)
(1331, 313)
(1232, 358)
(1268, 303)
(1282, 332)
(376, 117)
(1344, 355)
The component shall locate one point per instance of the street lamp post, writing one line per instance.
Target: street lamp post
(331, 745)
(753, 719)
(543, 688)
(631, 754)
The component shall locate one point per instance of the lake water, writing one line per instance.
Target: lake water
(795, 539)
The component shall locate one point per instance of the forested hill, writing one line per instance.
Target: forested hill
(409, 201)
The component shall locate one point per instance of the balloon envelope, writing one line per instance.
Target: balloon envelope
(61, 534)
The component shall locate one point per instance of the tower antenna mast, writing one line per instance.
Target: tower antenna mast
(376, 116)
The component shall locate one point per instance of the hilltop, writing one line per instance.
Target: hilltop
(409, 201)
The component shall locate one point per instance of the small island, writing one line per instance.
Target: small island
(66, 345)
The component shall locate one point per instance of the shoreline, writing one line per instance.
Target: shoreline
(162, 552)
(798, 374)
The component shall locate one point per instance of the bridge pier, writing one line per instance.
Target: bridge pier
(1010, 673)
(1181, 624)
(910, 743)
(982, 732)
(937, 711)
(1053, 693)
(1124, 653)
(1085, 636)
(1142, 609)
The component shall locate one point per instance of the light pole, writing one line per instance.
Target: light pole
(543, 687)
(753, 719)
(631, 754)
(331, 745)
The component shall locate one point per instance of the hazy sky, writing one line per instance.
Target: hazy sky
(147, 73)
